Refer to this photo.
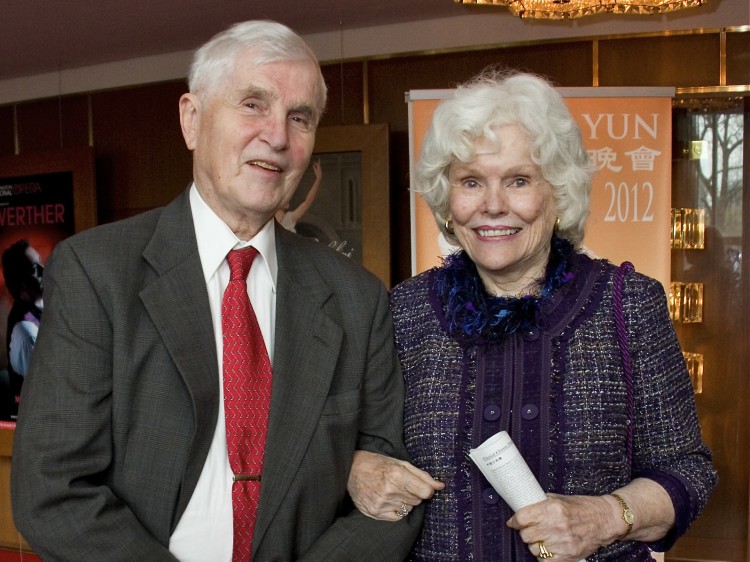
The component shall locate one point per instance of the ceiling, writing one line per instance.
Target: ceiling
(39, 36)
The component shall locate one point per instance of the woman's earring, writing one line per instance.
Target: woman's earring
(557, 224)
(449, 226)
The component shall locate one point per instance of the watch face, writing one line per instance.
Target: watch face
(628, 516)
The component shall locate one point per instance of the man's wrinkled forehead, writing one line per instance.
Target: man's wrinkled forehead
(242, 76)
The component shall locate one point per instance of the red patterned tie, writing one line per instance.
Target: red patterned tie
(247, 395)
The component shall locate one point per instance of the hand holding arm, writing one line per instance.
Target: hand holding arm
(379, 485)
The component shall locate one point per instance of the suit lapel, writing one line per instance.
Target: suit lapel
(177, 303)
(306, 350)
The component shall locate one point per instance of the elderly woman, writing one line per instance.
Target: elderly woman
(520, 331)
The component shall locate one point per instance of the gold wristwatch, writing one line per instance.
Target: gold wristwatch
(627, 514)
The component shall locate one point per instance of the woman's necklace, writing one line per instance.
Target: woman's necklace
(532, 289)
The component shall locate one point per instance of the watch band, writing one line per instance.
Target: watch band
(627, 513)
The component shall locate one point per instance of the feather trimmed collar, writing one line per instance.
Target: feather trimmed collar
(474, 316)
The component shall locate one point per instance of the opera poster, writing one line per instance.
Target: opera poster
(38, 209)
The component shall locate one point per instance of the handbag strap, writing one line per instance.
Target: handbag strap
(627, 361)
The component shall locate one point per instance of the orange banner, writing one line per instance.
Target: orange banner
(628, 133)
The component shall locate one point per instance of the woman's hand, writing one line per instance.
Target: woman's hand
(572, 527)
(380, 486)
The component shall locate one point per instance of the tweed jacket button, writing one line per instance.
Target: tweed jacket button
(490, 496)
(531, 334)
(529, 411)
(491, 412)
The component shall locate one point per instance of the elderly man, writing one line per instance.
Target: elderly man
(166, 416)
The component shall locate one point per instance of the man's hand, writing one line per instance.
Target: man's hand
(381, 486)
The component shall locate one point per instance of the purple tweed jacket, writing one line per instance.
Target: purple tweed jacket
(560, 391)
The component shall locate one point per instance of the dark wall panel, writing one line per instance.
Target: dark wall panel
(738, 58)
(53, 123)
(141, 158)
(7, 144)
(679, 61)
(345, 94)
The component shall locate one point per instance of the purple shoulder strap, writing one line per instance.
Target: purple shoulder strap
(622, 340)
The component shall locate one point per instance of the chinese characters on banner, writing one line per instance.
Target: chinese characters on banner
(629, 139)
(627, 133)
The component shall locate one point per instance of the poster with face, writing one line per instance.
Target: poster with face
(36, 212)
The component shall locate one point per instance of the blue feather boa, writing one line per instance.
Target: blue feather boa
(475, 316)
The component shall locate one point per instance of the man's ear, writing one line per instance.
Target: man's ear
(189, 116)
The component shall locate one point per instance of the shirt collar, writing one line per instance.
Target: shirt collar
(215, 239)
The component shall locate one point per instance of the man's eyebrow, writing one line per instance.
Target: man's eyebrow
(256, 92)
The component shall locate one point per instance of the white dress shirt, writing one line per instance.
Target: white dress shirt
(204, 533)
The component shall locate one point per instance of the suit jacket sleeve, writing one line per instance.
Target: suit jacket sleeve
(63, 502)
(355, 536)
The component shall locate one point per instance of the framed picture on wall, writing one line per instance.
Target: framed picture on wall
(343, 199)
(44, 198)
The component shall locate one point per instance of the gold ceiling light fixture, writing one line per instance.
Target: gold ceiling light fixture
(567, 9)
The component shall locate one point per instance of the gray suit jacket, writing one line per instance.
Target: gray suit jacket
(119, 409)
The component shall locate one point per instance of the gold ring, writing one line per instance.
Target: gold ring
(543, 552)
(402, 511)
